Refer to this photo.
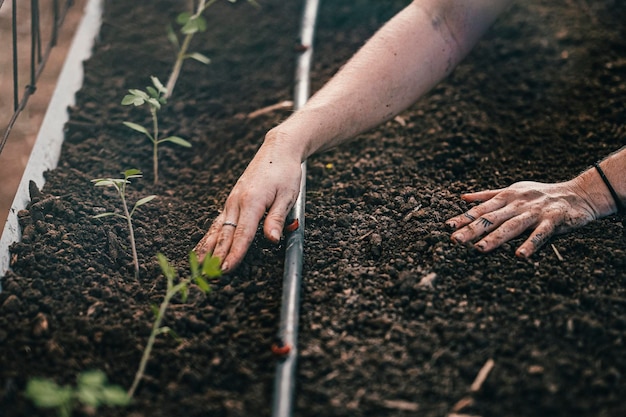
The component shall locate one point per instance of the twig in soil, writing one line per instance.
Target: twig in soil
(482, 375)
(461, 404)
(400, 120)
(556, 252)
(400, 405)
(287, 104)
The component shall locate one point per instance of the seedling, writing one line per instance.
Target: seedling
(154, 97)
(92, 390)
(120, 185)
(190, 25)
(210, 268)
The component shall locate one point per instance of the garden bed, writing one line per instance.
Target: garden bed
(541, 97)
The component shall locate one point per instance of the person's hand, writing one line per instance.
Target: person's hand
(271, 183)
(546, 209)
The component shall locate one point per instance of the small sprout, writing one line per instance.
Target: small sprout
(210, 268)
(154, 97)
(120, 185)
(190, 25)
(92, 390)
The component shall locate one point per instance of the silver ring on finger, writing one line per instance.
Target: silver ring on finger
(233, 224)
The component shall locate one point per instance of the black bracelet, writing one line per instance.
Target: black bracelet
(620, 206)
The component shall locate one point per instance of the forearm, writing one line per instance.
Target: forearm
(596, 191)
(401, 62)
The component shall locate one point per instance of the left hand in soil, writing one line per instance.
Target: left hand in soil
(545, 209)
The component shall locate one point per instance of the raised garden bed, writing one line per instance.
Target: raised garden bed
(540, 98)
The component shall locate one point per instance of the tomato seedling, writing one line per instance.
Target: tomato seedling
(120, 186)
(210, 268)
(191, 23)
(154, 98)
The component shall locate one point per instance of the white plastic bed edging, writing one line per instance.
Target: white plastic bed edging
(47, 148)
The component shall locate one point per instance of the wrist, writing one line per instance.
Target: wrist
(590, 186)
(288, 143)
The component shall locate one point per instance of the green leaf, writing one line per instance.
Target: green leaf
(193, 25)
(144, 200)
(176, 140)
(201, 23)
(184, 293)
(183, 18)
(95, 378)
(166, 268)
(130, 99)
(98, 216)
(171, 36)
(104, 183)
(194, 265)
(138, 128)
(132, 173)
(199, 57)
(211, 266)
(88, 396)
(138, 93)
(202, 284)
(169, 331)
(114, 395)
(158, 85)
(153, 102)
(155, 309)
(153, 92)
(47, 394)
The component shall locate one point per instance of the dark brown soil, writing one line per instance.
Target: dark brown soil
(541, 97)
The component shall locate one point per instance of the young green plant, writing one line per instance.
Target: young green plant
(91, 390)
(120, 186)
(154, 97)
(210, 268)
(191, 23)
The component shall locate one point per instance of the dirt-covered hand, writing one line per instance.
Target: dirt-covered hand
(270, 183)
(545, 209)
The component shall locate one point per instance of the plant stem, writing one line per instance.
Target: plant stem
(132, 237)
(178, 65)
(155, 142)
(156, 326)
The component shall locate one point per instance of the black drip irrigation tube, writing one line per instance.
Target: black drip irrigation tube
(286, 345)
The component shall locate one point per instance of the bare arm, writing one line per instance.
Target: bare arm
(407, 57)
(546, 209)
(401, 62)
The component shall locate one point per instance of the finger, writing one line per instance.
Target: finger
(206, 245)
(225, 231)
(492, 204)
(506, 231)
(537, 239)
(480, 195)
(275, 219)
(477, 228)
(480, 220)
(242, 236)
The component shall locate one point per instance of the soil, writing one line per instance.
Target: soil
(396, 320)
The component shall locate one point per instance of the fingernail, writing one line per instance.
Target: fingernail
(225, 267)
(522, 253)
(275, 235)
(451, 225)
(458, 238)
(480, 246)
